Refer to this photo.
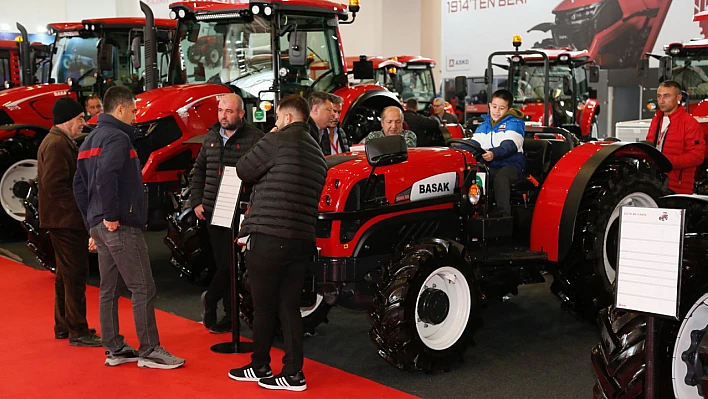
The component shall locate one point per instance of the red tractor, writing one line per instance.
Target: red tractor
(406, 233)
(87, 58)
(616, 33)
(12, 73)
(573, 103)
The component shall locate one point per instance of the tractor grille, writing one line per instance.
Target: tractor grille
(5, 118)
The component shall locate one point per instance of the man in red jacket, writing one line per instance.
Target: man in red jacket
(678, 136)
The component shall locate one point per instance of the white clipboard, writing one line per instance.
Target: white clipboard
(227, 199)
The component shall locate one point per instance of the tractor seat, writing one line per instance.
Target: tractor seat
(538, 163)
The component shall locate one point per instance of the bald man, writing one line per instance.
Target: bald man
(392, 124)
(225, 143)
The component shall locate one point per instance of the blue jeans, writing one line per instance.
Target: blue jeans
(123, 253)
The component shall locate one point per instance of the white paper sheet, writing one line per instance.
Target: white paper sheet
(649, 261)
(227, 198)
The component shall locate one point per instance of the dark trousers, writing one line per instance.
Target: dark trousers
(502, 179)
(123, 253)
(71, 254)
(220, 286)
(276, 272)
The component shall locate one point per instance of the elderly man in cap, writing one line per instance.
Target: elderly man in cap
(58, 212)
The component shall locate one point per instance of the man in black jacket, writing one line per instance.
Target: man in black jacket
(288, 171)
(426, 129)
(227, 141)
(108, 187)
(321, 115)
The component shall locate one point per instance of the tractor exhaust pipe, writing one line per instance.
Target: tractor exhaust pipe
(25, 57)
(150, 40)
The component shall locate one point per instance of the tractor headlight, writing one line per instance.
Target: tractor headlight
(474, 194)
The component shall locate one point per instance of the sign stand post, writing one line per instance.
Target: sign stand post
(226, 215)
(649, 254)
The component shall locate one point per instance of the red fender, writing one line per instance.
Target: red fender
(455, 130)
(355, 95)
(555, 211)
(32, 104)
(587, 116)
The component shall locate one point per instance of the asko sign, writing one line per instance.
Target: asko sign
(457, 63)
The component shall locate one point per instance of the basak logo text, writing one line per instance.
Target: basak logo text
(434, 188)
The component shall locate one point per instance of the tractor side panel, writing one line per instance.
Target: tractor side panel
(587, 117)
(553, 221)
(31, 104)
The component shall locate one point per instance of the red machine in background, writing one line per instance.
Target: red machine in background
(11, 64)
(86, 58)
(565, 94)
(616, 33)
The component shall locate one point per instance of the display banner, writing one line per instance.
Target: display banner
(649, 260)
(616, 33)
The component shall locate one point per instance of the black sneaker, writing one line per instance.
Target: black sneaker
(90, 340)
(126, 354)
(223, 326)
(209, 313)
(285, 382)
(65, 334)
(249, 373)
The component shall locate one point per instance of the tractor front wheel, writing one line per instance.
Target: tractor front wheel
(17, 170)
(426, 307)
(584, 279)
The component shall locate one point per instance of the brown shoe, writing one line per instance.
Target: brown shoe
(88, 340)
(65, 334)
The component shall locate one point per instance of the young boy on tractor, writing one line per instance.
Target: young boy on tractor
(502, 136)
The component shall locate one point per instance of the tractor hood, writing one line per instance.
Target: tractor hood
(30, 104)
(159, 103)
(427, 173)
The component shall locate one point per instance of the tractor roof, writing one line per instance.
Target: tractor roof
(413, 59)
(8, 44)
(209, 7)
(554, 53)
(128, 22)
(397, 61)
(65, 26)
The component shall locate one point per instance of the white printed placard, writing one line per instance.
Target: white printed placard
(227, 198)
(649, 260)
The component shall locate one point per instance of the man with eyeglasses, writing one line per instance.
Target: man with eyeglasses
(440, 114)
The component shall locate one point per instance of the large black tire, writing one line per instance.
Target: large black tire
(404, 309)
(38, 240)
(583, 280)
(619, 359)
(188, 240)
(313, 316)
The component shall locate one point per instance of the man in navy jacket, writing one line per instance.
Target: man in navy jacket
(502, 135)
(109, 192)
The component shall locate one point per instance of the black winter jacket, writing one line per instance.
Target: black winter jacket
(288, 171)
(213, 156)
(108, 183)
(426, 129)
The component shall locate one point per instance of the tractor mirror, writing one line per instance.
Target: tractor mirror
(105, 56)
(386, 150)
(664, 68)
(461, 86)
(643, 67)
(594, 72)
(487, 77)
(363, 69)
(298, 48)
(136, 53)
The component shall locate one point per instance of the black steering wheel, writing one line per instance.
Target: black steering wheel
(469, 145)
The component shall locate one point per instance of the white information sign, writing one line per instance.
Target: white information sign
(649, 260)
(227, 198)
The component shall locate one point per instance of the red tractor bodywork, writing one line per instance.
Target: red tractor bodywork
(10, 57)
(616, 33)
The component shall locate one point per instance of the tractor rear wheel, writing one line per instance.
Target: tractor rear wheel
(584, 279)
(619, 359)
(16, 173)
(426, 307)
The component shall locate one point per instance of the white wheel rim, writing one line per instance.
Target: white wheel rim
(696, 319)
(454, 284)
(214, 56)
(306, 311)
(24, 170)
(637, 199)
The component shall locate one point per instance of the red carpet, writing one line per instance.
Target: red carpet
(35, 365)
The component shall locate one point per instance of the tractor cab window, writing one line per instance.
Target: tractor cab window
(412, 81)
(4, 68)
(529, 83)
(691, 72)
(240, 53)
(74, 57)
